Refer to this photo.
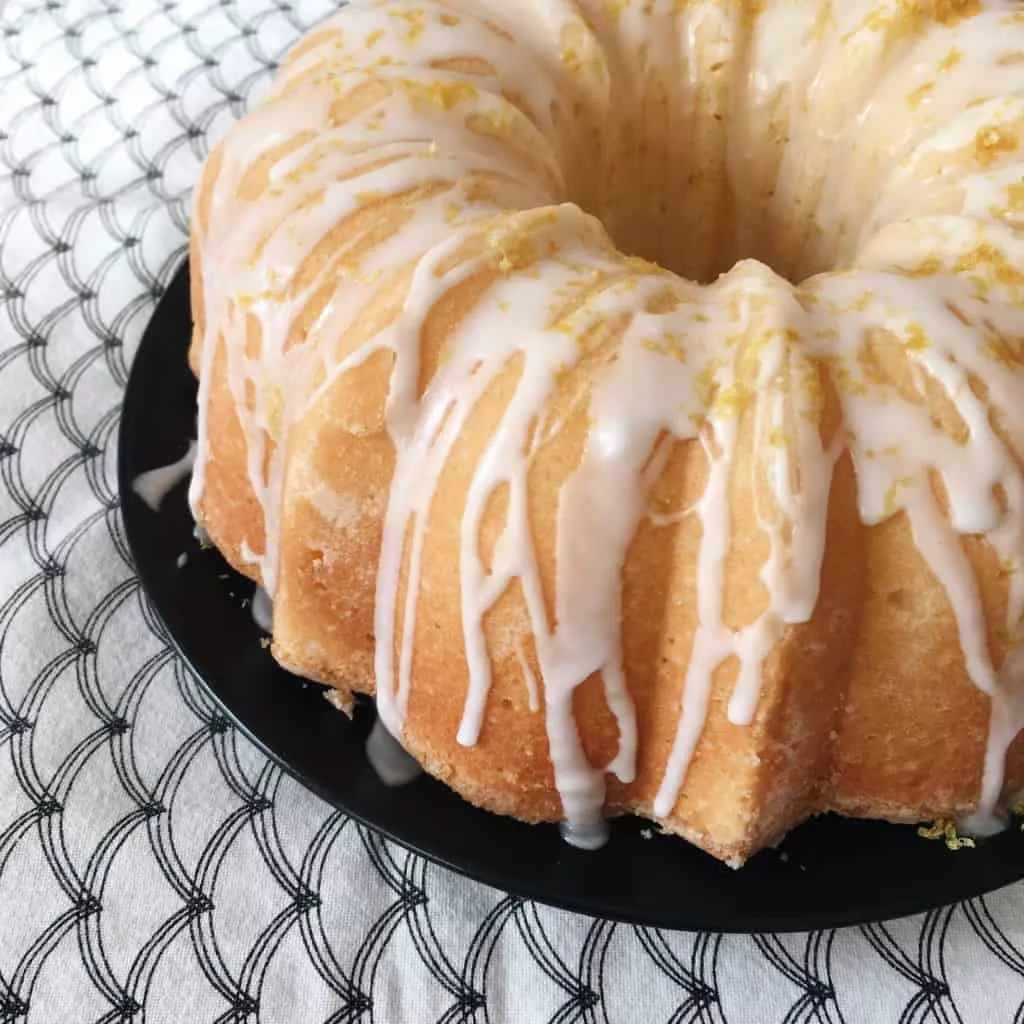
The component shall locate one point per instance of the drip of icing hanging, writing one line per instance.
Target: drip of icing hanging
(155, 484)
(585, 837)
(392, 763)
(263, 610)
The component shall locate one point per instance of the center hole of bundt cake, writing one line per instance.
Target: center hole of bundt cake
(698, 209)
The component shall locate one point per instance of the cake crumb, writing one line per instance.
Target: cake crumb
(335, 700)
(181, 560)
(264, 642)
(646, 833)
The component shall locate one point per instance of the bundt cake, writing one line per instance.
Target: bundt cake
(628, 393)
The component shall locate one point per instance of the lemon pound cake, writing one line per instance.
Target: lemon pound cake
(627, 393)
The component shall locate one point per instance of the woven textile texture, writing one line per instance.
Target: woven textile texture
(154, 866)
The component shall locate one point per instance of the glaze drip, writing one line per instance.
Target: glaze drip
(394, 767)
(262, 610)
(585, 837)
(155, 484)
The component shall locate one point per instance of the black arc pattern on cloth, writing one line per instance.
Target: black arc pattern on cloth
(153, 865)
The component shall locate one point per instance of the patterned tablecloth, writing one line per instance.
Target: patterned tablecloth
(153, 865)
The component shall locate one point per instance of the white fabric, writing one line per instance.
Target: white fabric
(152, 864)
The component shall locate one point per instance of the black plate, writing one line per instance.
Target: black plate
(831, 871)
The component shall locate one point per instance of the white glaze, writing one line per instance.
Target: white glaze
(262, 608)
(394, 766)
(155, 484)
(585, 837)
(914, 211)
